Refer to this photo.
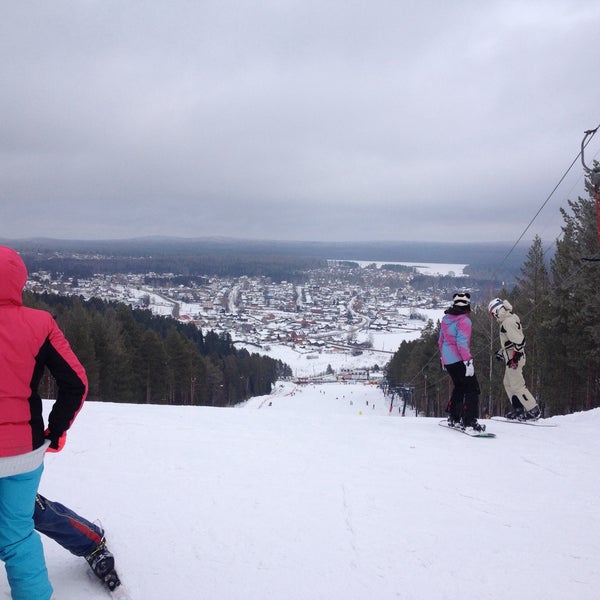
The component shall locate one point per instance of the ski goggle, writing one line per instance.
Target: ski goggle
(462, 295)
(495, 305)
(461, 299)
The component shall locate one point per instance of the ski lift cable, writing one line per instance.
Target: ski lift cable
(551, 245)
(594, 175)
(568, 194)
(589, 134)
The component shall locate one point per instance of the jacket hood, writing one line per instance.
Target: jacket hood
(502, 314)
(13, 276)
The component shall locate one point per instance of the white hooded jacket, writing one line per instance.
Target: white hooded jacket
(512, 337)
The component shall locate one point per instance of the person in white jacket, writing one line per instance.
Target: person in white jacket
(512, 353)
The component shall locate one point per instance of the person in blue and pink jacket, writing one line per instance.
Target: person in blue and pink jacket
(454, 343)
(30, 342)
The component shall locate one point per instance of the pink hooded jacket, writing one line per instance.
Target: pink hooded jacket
(454, 341)
(29, 341)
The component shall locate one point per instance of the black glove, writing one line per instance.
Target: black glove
(57, 443)
(514, 361)
(499, 355)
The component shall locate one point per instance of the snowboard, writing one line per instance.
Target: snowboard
(470, 433)
(534, 423)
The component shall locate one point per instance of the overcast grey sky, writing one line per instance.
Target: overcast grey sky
(300, 120)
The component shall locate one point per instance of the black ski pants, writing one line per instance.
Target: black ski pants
(464, 400)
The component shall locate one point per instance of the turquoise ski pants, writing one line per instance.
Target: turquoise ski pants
(20, 546)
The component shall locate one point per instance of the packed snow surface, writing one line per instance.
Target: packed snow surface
(319, 492)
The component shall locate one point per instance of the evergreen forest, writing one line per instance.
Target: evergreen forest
(133, 356)
(558, 302)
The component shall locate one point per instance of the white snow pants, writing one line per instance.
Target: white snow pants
(514, 384)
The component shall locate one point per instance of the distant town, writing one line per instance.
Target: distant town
(336, 307)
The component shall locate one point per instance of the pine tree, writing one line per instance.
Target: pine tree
(154, 365)
(573, 325)
(114, 367)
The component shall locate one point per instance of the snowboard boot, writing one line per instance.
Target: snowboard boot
(515, 413)
(101, 560)
(454, 421)
(533, 414)
(454, 411)
(472, 424)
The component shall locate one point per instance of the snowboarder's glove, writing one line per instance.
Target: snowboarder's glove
(514, 361)
(469, 368)
(499, 355)
(443, 366)
(57, 443)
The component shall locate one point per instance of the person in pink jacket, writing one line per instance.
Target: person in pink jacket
(30, 341)
(454, 343)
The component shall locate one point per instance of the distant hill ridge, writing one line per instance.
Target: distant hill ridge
(392, 251)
